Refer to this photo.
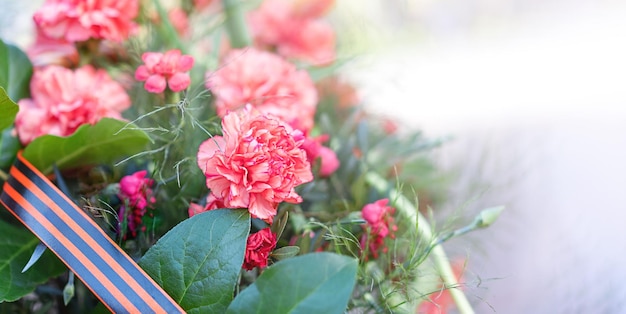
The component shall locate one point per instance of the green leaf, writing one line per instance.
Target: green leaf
(285, 252)
(89, 145)
(8, 110)
(9, 145)
(15, 71)
(198, 261)
(16, 246)
(311, 283)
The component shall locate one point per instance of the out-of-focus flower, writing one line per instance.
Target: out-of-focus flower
(79, 20)
(390, 126)
(202, 4)
(314, 149)
(267, 82)
(294, 30)
(309, 40)
(136, 195)
(62, 100)
(161, 69)
(380, 225)
(212, 202)
(180, 21)
(258, 249)
(256, 164)
(48, 51)
(339, 92)
(311, 8)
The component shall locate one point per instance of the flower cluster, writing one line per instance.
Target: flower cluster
(136, 196)
(63, 99)
(168, 69)
(230, 122)
(256, 164)
(380, 225)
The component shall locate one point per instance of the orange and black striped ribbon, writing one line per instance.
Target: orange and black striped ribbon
(81, 244)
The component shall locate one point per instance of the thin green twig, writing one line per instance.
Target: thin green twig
(406, 208)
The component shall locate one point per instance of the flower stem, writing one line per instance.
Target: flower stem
(236, 24)
(3, 176)
(406, 208)
(167, 29)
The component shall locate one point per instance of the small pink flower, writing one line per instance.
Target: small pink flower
(267, 82)
(136, 195)
(294, 30)
(63, 100)
(379, 218)
(256, 164)
(79, 20)
(160, 70)
(258, 249)
(314, 149)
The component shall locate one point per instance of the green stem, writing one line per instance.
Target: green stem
(406, 208)
(236, 24)
(167, 29)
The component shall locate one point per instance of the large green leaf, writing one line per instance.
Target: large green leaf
(15, 71)
(16, 247)
(8, 110)
(90, 144)
(311, 283)
(198, 261)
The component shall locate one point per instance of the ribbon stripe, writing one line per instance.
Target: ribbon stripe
(81, 244)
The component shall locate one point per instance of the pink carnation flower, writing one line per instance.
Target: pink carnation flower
(294, 30)
(136, 194)
(267, 82)
(62, 100)
(79, 20)
(256, 164)
(161, 69)
(379, 218)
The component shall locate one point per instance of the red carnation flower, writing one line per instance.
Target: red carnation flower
(258, 249)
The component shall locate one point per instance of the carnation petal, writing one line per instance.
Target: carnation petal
(185, 63)
(179, 82)
(207, 149)
(155, 84)
(142, 73)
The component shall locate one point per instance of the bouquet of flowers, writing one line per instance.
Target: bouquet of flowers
(207, 158)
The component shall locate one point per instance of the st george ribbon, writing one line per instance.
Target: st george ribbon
(121, 285)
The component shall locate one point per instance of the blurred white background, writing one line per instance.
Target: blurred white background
(534, 94)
